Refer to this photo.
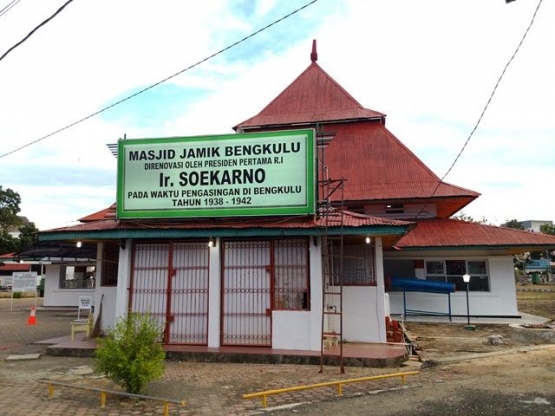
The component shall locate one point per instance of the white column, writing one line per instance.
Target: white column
(124, 277)
(316, 289)
(214, 295)
(380, 289)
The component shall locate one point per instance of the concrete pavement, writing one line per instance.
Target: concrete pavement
(208, 388)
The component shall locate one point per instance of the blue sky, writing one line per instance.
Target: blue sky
(430, 66)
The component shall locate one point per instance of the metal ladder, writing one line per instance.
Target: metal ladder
(331, 344)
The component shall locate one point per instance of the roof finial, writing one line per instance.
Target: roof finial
(314, 54)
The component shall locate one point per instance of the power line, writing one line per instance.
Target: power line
(485, 107)
(161, 81)
(34, 30)
(7, 8)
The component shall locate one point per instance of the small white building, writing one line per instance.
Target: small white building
(535, 225)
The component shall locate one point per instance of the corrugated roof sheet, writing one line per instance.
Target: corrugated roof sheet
(377, 166)
(312, 97)
(350, 219)
(15, 267)
(109, 212)
(59, 250)
(445, 233)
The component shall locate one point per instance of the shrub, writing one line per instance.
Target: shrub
(40, 287)
(131, 355)
(17, 295)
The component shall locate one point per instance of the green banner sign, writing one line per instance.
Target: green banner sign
(269, 173)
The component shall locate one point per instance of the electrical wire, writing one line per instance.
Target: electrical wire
(7, 8)
(35, 29)
(483, 111)
(159, 82)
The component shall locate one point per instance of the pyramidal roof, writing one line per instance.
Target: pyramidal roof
(377, 166)
(313, 97)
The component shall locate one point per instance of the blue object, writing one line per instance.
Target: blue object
(412, 284)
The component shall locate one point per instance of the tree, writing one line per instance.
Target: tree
(547, 229)
(27, 234)
(9, 208)
(462, 216)
(514, 224)
(10, 221)
(8, 244)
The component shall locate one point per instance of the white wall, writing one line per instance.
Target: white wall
(499, 301)
(54, 296)
(363, 306)
(502, 285)
(301, 330)
(291, 330)
(363, 314)
(105, 296)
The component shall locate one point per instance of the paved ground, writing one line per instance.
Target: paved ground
(210, 389)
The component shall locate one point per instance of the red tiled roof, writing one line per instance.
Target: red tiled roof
(448, 233)
(390, 230)
(350, 219)
(353, 225)
(312, 97)
(375, 164)
(15, 267)
(100, 215)
(378, 166)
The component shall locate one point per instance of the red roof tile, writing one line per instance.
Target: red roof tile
(109, 212)
(313, 97)
(377, 166)
(447, 233)
(390, 230)
(15, 267)
(350, 219)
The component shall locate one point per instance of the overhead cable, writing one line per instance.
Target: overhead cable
(34, 30)
(485, 108)
(8, 7)
(159, 82)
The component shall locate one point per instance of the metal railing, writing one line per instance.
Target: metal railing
(104, 392)
(338, 383)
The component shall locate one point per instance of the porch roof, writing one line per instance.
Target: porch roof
(335, 223)
(14, 267)
(434, 234)
(55, 251)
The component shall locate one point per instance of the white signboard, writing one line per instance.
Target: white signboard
(85, 302)
(6, 281)
(24, 282)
